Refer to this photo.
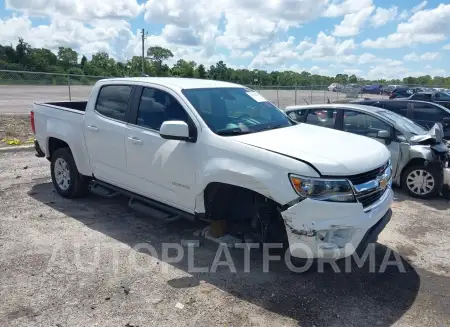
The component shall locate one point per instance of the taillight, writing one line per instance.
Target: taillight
(33, 127)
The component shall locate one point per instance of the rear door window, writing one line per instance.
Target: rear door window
(322, 117)
(112, 101)
(399, 107)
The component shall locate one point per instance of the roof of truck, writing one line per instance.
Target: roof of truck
(179, 82)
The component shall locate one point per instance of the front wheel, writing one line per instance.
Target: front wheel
(422, 181)
(68, 182)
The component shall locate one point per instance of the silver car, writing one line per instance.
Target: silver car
(418, 156)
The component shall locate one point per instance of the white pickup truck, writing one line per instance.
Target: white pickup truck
(217, 151)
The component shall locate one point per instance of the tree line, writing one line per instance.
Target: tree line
(23, 57)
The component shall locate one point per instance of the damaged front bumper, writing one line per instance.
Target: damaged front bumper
(319, 229)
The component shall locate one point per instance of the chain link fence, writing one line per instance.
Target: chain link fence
(284, 96)
(20, 89)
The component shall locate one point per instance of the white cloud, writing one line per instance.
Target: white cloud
(427, 26)
(275, 54)
(342, 7)
(353, 71)
(352, 23)
(382, 16)
(446, 47)
(419, 7)
(427, 56)
(109, 36)
(325, 48)
(84, 10)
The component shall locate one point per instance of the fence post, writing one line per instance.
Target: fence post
(278, 97)
(324, 95)
(295, 100)
(68, 84)
(311, 101)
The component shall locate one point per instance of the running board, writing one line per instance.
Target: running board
(145, 205)
(102, 191)
(145, 209)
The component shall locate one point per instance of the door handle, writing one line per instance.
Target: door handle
(92, 128)
(135, 140)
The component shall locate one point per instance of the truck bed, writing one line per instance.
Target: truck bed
(73, 105)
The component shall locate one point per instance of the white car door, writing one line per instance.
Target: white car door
(158, 168)
(104, 132)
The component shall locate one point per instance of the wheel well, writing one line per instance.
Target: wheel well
(240, 208)
(55, 144)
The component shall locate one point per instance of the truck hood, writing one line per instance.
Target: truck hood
(331, 152)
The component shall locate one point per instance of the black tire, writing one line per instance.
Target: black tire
(434, 171)
(77, 183)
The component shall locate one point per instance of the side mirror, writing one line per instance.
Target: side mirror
(386, 135)
(175, 130)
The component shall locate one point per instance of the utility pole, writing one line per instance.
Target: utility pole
(143, 36)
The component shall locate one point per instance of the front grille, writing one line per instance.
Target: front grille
(367, 176)
(370, 197)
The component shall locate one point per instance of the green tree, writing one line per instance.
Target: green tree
(353, 79)
(67, 57)
(157, 55)
(83, 61)
(201, 71)
(23, 51)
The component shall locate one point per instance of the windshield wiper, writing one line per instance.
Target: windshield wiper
(270, 127)
(234, 131)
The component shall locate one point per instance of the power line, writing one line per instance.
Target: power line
(143, 37)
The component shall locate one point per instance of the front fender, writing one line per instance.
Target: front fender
(271, 183)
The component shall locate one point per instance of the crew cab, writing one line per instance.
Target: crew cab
(217, 151)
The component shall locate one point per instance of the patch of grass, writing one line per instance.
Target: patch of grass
(15, 130)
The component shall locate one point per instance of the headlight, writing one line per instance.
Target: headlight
(334, 190)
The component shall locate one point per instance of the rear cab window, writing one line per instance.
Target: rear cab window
(112, 101)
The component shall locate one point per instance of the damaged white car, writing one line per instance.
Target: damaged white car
(419, 157)
(202, 149)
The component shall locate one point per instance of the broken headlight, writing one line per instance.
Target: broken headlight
(334, 190)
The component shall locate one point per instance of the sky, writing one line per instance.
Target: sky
(372, 39)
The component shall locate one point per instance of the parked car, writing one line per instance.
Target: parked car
(418, 157)
(335, 87)
(423, 113)
(204, 149)
(400, 92)
(388, 89)
(442, 98)
(372, 89)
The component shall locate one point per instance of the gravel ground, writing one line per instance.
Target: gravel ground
(20, 98)
(48, 247)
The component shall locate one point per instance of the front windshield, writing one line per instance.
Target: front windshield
(231, 111)
(404, 124)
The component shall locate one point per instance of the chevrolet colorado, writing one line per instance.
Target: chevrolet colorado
(217, 151)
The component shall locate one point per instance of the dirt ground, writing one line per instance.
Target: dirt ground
(77, 263)
(15, 130)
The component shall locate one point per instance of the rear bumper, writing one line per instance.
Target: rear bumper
(318, 229)
(37, 148)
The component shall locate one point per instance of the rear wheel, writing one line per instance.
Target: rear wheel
(422, 181)
(68, 182)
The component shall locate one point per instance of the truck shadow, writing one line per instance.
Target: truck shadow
(358, 297)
